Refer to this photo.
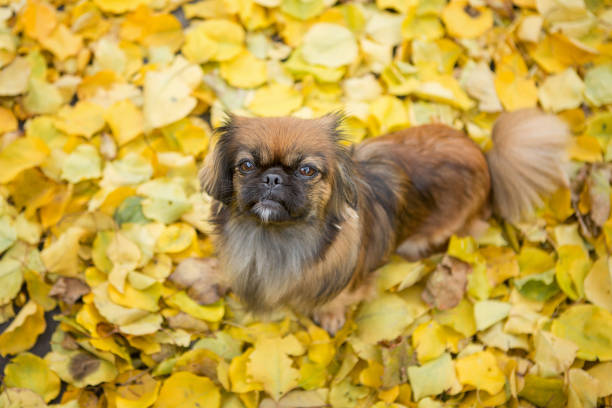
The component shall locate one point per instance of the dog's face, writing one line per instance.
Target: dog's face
(280, 170)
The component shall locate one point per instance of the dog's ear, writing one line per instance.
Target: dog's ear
(216, 173)
(344, 187)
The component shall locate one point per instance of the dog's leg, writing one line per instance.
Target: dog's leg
(332, 315)
(201, 278)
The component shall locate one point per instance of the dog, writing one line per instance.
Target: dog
(303, 220)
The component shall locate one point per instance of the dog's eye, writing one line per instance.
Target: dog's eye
(246, 166)
(307, 171)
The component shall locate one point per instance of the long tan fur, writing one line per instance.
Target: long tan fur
(526, 161)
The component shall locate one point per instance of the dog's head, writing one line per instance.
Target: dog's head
(280, 170)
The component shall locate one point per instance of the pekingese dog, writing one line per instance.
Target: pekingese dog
(303, 220)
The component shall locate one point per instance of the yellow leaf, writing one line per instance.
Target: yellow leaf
(555, 53)
(372, 375)
(62, 42)
(571, 269)
(141, 299)
(433, 378)
(61, 256)
(388, 114)
(582, 389)
(176, 238)
(244, 70)
(465, 21)
(138, 389)
(603, 372)
(489, 312)
(383, 318)
(561, 91)
(275, 99)
(302, 9)
(477, 79)
(42, 97)
(120, 6)
(212, 313)
(21, 154)
(84, 119)
(23, 331)
(481, 371)
(125, 120)
(124, 255)
(83, 163)
(39, 19)
(460, 318)
(165, 200)
(426, 27)
(14, 77)
(21, 398)
(442, 88)
(270, 364)
(321, 350)
(214, 39)
(514, 89)
(585, 148)
(8, 122)
(167, 93)
(241, 382)
(11, 279)
(590, 328)
(330, 45)
(597, 81)
(31, 372)
(400, 6)
(598, 284)
(429, 341)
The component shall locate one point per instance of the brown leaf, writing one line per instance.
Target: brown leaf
(447, 284)
(187, 322)
(599, 190)
(69, 289)
(396, 360)
(202, 279)
(82, 365)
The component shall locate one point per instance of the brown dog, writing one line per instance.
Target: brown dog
(302, 220)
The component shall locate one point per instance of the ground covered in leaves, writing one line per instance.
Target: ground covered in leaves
(106, 112)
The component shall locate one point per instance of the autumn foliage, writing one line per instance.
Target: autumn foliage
(106, 111)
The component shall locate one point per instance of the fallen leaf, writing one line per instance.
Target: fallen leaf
(23, 331)
(330, 45)
(21, 154)
(561, 91)
(14, 77)
(167, 93)
(544, 392)
(269, 364)
(433, 378)
(598, 284)
(481, 371)
(31, 372)
(69, 289)
(589, 327)
(275, 99)
(447, 284)
(21, 398)
(597, 85)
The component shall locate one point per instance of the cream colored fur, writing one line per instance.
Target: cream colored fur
(527, 161)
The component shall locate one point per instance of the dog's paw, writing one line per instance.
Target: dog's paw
(201, 278)
(331, 320)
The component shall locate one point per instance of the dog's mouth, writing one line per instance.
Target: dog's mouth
(270, 211)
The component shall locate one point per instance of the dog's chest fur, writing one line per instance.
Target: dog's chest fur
(274, 265)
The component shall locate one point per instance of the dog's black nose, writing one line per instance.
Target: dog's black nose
(272, 179)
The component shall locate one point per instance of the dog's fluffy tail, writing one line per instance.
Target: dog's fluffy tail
(527, 161)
